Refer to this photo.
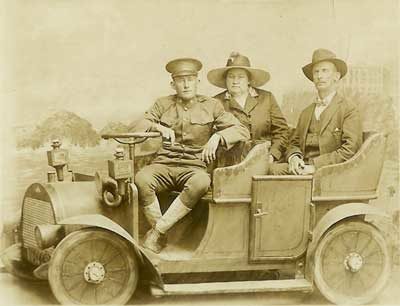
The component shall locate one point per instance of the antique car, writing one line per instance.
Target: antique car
(251, 232)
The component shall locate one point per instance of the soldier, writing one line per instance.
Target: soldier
(255, 108)
(194, 126)
(329, 130)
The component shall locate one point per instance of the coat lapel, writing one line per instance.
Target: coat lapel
(233, 104)
(251, 102)
(327, 114)
(307, 120)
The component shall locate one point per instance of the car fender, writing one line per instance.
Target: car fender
(335, 215)
(100, 221)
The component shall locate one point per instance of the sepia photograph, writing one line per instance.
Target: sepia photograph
(225, 152)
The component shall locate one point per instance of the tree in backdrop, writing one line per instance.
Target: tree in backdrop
(114, 127)
(62, 125)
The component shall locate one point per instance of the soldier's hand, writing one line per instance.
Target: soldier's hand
(166, 132)
(208, 153)
(296, 165)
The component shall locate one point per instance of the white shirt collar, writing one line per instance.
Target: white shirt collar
(322, 104)
(242, 100)
(325, 101)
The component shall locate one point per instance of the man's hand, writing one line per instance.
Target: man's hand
(296, 165)
(166, 132)
(208, 154)
(308, 169)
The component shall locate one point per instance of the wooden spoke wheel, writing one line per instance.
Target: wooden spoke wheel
(352, 263)
(93, 266)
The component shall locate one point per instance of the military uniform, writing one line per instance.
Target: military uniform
(192, 119)
(178, 165)
(193, 123)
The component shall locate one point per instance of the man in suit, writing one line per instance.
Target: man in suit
(193, 127)
(329, 130)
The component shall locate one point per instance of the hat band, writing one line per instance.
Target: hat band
(184, 72)
(237, 64)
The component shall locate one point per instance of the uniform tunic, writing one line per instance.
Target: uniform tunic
(193, 123)
(179, 166)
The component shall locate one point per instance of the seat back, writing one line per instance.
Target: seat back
(235, 181)
(368, 134)
(355, 179)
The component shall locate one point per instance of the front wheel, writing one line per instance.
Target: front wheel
(352, 263)
(93, 266)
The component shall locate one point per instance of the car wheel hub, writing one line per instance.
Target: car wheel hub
(94, 272)
(353, 262)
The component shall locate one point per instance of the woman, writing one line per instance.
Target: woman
(257, 109)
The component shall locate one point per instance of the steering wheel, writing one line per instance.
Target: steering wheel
(134, 138)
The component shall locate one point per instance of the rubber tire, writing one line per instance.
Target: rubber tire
(323, 246)
(71, 244)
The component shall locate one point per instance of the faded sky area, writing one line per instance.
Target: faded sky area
(104, 60)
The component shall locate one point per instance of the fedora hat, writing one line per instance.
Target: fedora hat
(258, 77)
(183, 66)
(324, 55)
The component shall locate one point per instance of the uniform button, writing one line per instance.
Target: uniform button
(184, 134)
(185, 108)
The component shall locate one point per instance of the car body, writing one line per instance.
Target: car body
(251, 233)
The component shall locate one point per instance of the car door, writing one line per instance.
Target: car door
(279, 217)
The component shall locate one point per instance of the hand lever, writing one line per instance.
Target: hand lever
(260, 213)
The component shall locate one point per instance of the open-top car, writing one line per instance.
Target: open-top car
(251, 232)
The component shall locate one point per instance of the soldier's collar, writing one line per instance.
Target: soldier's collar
(252, 93)
(197, 98)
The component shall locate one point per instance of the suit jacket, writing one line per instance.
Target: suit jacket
(340, 134)
(263, 117)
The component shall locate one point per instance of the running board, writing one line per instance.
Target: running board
(234, 287)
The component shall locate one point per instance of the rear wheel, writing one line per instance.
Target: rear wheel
(93, 266)
(352, 263)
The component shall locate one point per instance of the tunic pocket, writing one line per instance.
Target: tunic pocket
(201, 118)
(168, 120)
(200, 128)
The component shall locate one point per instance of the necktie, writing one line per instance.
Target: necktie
(320, 102)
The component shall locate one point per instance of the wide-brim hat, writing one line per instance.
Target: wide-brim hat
(183, 66)
(324, 55)
(258, 77)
